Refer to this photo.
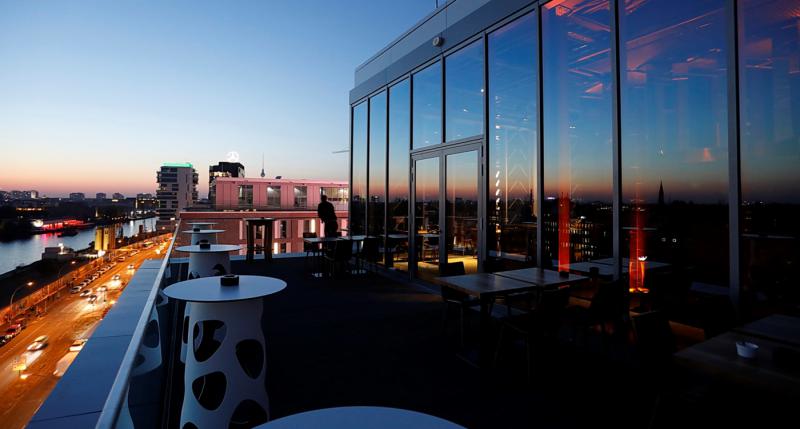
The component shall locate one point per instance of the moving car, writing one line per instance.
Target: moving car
(116, 277)
(77, 345)
(102, 288)
(39, 343)
(13, 331)
(92, 299)
(130, 266)
(75, 289)
(86, 292)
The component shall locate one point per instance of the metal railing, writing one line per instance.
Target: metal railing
(119, 389)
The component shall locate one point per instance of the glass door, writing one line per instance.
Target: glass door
(462, 211)
(426, 217)
(447, 200)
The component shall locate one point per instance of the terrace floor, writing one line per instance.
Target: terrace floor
(371, 340)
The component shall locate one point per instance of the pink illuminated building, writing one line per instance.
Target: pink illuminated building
(292, 202)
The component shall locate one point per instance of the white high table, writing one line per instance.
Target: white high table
(204, 234)
(225, 365)
(209, 259)
(360, 418)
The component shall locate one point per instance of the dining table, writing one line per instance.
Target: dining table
(773, 371)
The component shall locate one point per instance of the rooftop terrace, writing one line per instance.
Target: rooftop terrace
(378, 339)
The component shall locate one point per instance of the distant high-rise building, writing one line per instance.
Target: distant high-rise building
(33, 194)
(146, 203)
(100, 196)
(222, 169)
(118, 196)
(177, 190)
(77, 196)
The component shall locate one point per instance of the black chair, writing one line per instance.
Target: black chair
(541, 323)
(369, 252)
(311, 249)
(607, 308)
(454, 298)
(655, 344)
(339, 260)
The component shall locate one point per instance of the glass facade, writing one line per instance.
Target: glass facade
(427, 108)
(674, 144)
(399, 145)
(377, 164)
(464, 92)
(769, 84)
(358, 181)
(513, 122)
(638, 176)
(578, 161)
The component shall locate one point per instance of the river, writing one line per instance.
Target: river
(24, 251)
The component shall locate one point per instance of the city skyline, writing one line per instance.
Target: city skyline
(98, 96)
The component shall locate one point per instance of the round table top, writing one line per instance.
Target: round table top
(361, 418)
(205, 231)
(208, 289)
(201, 223)
(215, 248)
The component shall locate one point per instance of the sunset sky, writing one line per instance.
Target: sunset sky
(96, 95)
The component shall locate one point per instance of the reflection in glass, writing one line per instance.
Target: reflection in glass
(674, 141)
(426, 216)
(377, 164)
(461, 210)
(399, 144)
(770, 151)
(577, 132)
(359, 166)
(512, 143)
(464, 92)
(428, 106)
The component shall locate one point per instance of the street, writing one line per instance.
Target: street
(68, 318)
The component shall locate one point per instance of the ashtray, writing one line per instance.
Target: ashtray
(746, 349)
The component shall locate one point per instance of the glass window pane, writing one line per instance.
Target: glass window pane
(359, 181)
(245, 196)
(273, 196)
(300, 196)
(674, 142)
(577, 133)
(428, 106)
(399, 145)
(770, 150)
(461, 210)
(377, 164)
(464, 92)
(512, 143)
(426, 217)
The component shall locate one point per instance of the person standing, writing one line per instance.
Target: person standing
(327, 215)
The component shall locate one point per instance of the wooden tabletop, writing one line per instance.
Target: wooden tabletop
(542, 277)
(778, 327)
(774, 369)
(485, 285)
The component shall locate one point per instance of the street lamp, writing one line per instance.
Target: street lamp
(11, 303)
